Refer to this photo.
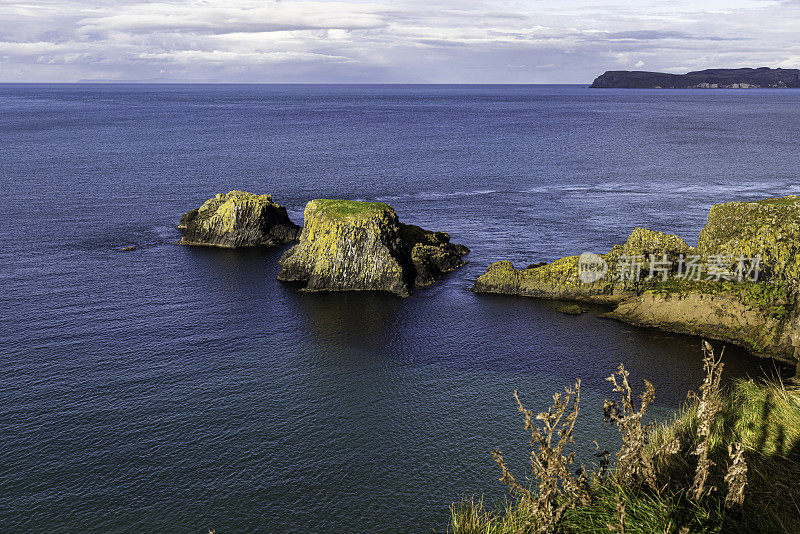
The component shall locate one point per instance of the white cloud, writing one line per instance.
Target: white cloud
(220, 57)
(386, 41)
(228, 17)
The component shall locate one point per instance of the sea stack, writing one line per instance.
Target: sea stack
(362, 246)
(238, 219)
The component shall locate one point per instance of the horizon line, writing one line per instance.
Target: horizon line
(145, 82)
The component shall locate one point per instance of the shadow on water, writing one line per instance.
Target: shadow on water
(365, 321)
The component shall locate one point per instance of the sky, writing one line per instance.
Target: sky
(377, 41)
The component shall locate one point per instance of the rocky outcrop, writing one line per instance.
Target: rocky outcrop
(557, 280)
(238, 219)
(702, 79)
(742, 287)
(769, 228)
(562, 279)
(763, 326)
(361, 246)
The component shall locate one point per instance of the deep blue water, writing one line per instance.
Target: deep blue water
(175, 389)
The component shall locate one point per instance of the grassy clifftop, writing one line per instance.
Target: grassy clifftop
(769, 228)
(343, 209)
(728, 463)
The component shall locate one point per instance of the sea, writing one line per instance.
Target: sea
(179, 389)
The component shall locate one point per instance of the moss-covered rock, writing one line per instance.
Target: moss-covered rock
(644, 242)
(238, 219)
(556, 280)
(769, 228)
(759, 313)
(360, 246)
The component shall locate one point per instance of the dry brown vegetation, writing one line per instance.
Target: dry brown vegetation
(729, 462)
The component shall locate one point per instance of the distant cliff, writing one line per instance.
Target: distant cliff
(763, 77)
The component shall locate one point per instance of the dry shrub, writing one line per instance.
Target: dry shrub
(558, 488)
(736, 477)
(640, 464)
(634, 460)
(709, 405)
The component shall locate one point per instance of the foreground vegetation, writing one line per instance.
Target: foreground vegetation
(728, 462)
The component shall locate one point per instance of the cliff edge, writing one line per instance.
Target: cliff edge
(763, 77)
(740, 284)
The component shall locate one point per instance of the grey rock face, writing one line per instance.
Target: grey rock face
(362, 246)
(238, 219)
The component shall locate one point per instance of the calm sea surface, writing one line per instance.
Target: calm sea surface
(175, 389)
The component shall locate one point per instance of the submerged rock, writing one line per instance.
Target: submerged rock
(571, 309)
(348, 245)
(757, 309)
(238, 219)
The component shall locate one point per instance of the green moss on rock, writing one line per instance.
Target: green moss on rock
(238, 219)
(768, 228)
(341, 209)
(556, 280)
(362, 246)
(647, 243)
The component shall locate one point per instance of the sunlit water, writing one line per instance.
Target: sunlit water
(175, 389)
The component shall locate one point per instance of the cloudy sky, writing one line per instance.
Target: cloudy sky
(412, 41)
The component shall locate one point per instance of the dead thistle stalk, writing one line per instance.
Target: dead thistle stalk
(709, 405)
(558, 489)
(736, 477)
(635, 465)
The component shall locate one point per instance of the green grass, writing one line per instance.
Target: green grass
(764, 417)
(338, 208)
(791, 200)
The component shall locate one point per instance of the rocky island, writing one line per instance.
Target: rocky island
(238, 219)
(738, 285)
(348, 245)
(762, 77)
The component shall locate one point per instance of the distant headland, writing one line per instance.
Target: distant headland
(763, 77)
